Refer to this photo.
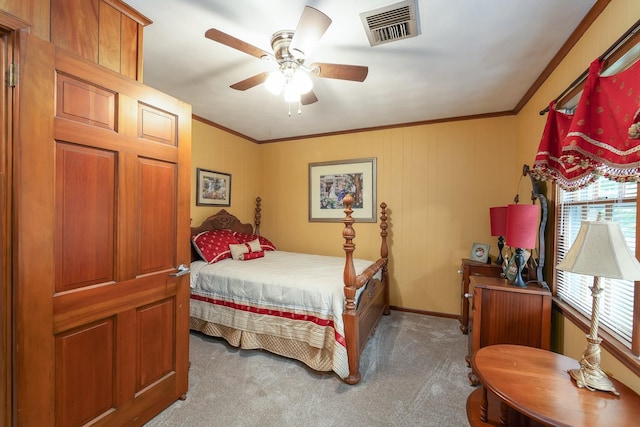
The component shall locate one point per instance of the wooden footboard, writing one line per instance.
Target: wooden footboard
(361, 319)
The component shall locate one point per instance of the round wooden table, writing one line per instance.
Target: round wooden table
(535, 383)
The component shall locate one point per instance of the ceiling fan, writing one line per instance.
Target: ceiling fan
(290, 49)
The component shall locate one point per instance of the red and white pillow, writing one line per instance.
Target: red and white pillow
(265, 244)
(213, 245)
(246, 251)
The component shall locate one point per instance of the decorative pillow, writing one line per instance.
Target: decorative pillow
(246, 251)
(253, 255)
(238, 250)
(265, 244)
(254, 245)
(213, 245)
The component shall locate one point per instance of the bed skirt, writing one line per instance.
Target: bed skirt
(319, 359)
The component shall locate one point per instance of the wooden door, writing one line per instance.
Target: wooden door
(6, 336)
(101, 222)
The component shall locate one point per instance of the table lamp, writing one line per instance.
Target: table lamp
(522, 228)
(599, 250)
(498, 217)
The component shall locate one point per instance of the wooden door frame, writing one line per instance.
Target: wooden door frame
(9, 28)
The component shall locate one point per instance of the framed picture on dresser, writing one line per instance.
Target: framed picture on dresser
(213, 188)
(479, 252)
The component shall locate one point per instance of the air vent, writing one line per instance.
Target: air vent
(395, 22)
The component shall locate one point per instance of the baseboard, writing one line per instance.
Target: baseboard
(425, 312)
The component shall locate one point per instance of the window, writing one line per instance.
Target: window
(615, 202)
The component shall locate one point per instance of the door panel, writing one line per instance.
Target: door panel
(156, 125)
(155, 340)
(109, 205)
(86, 103)
(85, 204)
(85, 364)
(157, 195)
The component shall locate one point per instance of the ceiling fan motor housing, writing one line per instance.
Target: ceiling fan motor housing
(280, 42)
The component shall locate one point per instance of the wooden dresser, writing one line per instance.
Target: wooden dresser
(470, 268)
(504, 314)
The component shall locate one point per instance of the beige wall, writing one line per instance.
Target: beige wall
(438, 180)
(220, 151)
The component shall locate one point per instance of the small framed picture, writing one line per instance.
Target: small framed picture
(479, 252)
(213, 188)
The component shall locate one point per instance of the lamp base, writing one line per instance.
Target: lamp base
(518, 280)
(500, 259)
(589, 375)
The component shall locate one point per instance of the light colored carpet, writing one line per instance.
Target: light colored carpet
(413, 374)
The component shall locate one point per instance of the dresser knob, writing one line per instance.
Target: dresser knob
(468, 295)
(459, 271)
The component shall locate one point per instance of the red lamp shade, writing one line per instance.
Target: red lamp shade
(522, 226)
(498, 220)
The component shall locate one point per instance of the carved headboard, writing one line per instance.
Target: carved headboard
(221, 220)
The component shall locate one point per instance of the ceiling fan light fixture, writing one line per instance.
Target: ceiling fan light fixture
(292, 78)
(301, 82)
(291, 93)
(275, 82)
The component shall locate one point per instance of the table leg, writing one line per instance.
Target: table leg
(504, 413)
(484, 405)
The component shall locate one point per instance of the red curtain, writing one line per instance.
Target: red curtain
(600, 138)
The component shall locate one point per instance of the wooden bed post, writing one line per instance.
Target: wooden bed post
(257, 216)
(384, 254)
(351, 330)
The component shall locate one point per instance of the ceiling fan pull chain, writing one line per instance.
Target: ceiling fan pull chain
(299, 107)
(289, 103)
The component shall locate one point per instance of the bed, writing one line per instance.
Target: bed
(320, 310)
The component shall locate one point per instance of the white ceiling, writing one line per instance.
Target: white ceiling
(472, 57)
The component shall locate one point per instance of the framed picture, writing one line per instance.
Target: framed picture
(213, 188)
(479, 252)
(329, 182)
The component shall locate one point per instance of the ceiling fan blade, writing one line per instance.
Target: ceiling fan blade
(308, 98)
(310, 29)
(226, 39)
(355, 73)
(250, 82)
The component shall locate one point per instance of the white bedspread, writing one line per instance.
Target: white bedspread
(289, 295)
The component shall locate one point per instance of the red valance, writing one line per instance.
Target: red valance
(549, 164)
(600, 138)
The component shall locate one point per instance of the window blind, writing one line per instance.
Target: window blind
(615, 202)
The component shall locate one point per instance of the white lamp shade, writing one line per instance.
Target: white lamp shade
(301, 81)
(600, 250)
(291, 94)
(275, 82)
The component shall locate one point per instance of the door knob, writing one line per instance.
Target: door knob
(182, 270)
